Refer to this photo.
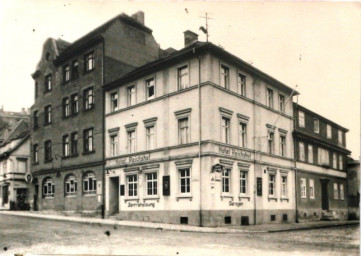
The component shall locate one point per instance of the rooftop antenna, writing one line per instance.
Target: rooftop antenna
(205, 29)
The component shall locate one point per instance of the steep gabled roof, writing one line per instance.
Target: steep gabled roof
(20, 130)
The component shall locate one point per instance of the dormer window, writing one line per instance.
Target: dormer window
(47, 57)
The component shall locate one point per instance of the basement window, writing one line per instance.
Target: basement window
(183, 220)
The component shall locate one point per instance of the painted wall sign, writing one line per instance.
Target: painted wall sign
(141, 205)
(234, 203)
(259, 186)
(235, 152)
(133, 159)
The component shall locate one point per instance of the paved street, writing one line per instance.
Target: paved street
(22, 234)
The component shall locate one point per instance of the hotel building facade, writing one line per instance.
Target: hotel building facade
(199, 137)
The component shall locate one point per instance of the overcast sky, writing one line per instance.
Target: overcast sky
(315, 46)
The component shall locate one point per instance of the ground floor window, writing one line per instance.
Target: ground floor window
(184, 179)
(243, 182)
(284, 186)
(271, 184)
(48, 188)
(132, 182)
(152, 183)
(312, 188)
(342, 193)
(226, 178)
(335, 190)
(70, 185)
(89, 183)
(303, 188)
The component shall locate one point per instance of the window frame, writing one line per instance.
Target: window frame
(47, 115)
(66, 73)
(149, 85)
(187, 179)
(89, 178)
(328, 131)
(133, 183)
(335, 191)
(301, 118)
(316, 125)
(35, 153)
(270, 97)
(342, 191)
(224, 76)
(340, 136)
(301, 151)
(183, 77)
(131, 95)
(272, 184)
(241, 84)
(74, 143)
(47, 151)
(89, 98)
(114, 141)
(114, 101)
(48, 83)
(74, 102)
(88, 140)
(311, 188)
(271, 141)
(66, 107)
(70, 188)
(284, 185)
(225, 129)
(35, 119)
(282, 103)
(66, 145)
(303, 186)
(89, 61)
(154, 184)
(74, 70)
(48, 183)
(245, 179)
(226, 177)
(283, 145)
(310, 158)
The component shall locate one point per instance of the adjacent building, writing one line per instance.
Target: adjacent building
(321, 170)
(15, 175)
(353, 188)
(199, 137)
(67, 142)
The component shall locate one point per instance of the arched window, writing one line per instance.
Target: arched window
(89, 183)
(48, 187)
(70, 185)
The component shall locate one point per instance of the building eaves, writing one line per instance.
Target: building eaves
(9, 151)
(300, 107)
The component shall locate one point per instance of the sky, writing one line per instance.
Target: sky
(313, 47)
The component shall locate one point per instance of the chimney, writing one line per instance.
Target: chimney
(190, 38)
(139, 17)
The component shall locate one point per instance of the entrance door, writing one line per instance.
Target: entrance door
(21, 198)
(36, 194)
(5, 194)
(324, 195)
(113, 195)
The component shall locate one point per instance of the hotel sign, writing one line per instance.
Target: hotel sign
(244, 155)
(133, 159)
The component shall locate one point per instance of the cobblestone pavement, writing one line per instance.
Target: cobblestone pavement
(39, 236)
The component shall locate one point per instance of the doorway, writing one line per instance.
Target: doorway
(36, 196)
(324, 194)
(113, 195)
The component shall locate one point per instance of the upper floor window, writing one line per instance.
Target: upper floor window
(131, 141)
(329, 131)
(283, 145)
(89, 61)
(89, 98)
(243, 135)
(47, 151)
(269, 97)
(89, 140)
(225, 129)
(152, 183)
(36, 119)
(48, 187)
(131, 95)
(183, 130)
(224, 77)
(74, 144)
(226, 180)
(113, 144)
(301, 118)
(47, 115)
(150, 137)
(335, 190)
(301, 150)
(66, 146)
(114, 101)
(334, 160)
(342, 192)
(316, 125)
(284, 186)
(48, 83)
(66, 107)
(89, 183)
(184, 181)
(66, 73)
(182, 77)
(340, 162)
(150, 87)
(70, 185)
(282, 103)
(36, 153)
(340, 137)
(270, 140)
(75, 69)
(241, 84)
(323, 156)
(310, 153)
(74, 104)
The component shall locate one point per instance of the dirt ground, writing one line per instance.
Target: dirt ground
(38, 236)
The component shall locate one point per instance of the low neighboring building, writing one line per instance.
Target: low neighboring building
(353, 180)
(9, 119)
(321, 171)
(14, 167)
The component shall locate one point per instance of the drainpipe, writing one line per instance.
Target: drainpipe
(254, 159)
(199, 137)
(296, 185)
(103, 133)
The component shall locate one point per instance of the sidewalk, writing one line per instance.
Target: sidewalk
(185, 228)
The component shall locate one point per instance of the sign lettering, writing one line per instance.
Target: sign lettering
(233, 203)
(133, 159)
(235, 152)
(141, 205)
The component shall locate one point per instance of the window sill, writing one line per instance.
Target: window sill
(48, 161)
(71, 196)
(70, 156)
(88, 71)
(312, 198)
(45, 92)
(49, 197)
(47, 124)
(135, 198)
(226, 195)
(272, 198)
(89, 193)
(89, 152)
(184, 196)
(285, 199)
(151, 198)
(37, 163)
(244, 196)
(88, 109)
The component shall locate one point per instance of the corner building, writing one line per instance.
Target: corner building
(67, 116)
(199, 137)
(321, 166)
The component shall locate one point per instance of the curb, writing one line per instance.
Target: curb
(171, 227)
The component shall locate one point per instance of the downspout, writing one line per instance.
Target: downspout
(254, 158)
(199, 138)
(103, 129)
(295, 168)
